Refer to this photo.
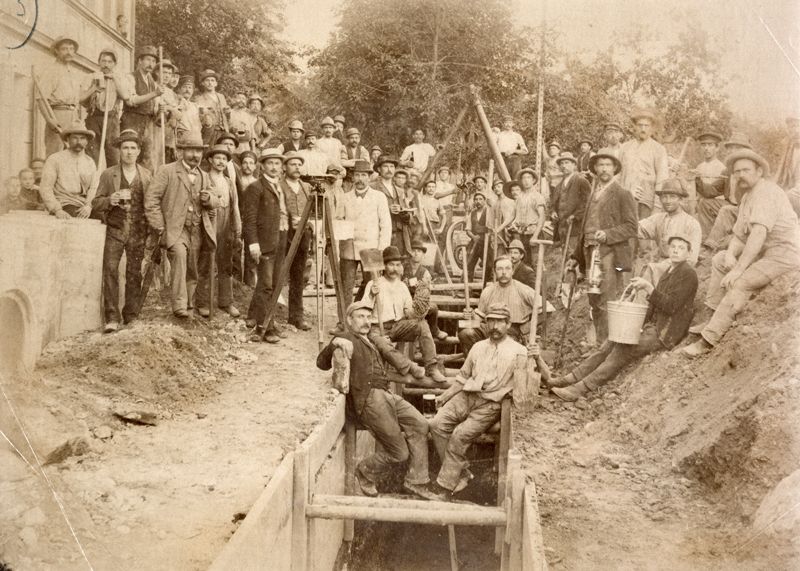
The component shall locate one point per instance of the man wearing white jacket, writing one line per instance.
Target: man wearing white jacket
(368, 210)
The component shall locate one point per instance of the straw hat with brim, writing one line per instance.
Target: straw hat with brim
(392, 254)
(63, 39)
(384, 159)
(293, 155)
(530, 171)
(356, 305)
(417, 245)
(508, 186)
(712, 135)
(362, 166)
(327, 121)
(566, 156)
(748, 154)
(516, 245)
(77, 129)
(680, 237)
(191, 143)
(270, 154)
(296, 125)
(602, 155)
(208, 73)
(339, 118)
(637, 114)
(673, 186)
(218, 150)
(127, 136)
(498, 311)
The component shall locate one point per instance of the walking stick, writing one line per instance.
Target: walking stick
(564, 258)
(321, 277)
(573, 285)
(535, 376)
(163, 122)
(101, 158)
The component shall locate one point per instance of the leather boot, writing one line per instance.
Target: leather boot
(565, 381)
(572, 392)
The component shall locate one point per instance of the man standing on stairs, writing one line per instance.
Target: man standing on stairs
(397, 426)
(765, 245)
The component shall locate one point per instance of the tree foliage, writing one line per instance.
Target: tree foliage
(236, 38)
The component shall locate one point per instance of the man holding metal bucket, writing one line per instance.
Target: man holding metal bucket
(669, 312)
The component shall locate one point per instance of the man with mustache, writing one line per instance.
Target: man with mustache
(645, 165)
(67, 176)
(181, 206)
(61, 87)
(95, 98)
(141, 106)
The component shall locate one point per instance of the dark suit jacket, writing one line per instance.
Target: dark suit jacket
(261, 216)
(671, 306)
(367, 371)
(618, 218)
(168, 197)
(570, 200)
(525, 274)
(121, 224)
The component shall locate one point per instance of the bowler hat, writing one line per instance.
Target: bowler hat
(339, 118)
(392, 254)
(382, 160)
(642, 113)
(60, 40)
(516, 245)
(713, 135)
(566, 156)
(227, 136)
(673, 186)
(127, 136)
(147, 51)
(108, 51)
(190, 142)
(605, 154)
(530, 171)
(206, 73)
(293, 155)
(747, 154)
(509, 185)
(270, 154)
(498, 311)
(77, 128)
(351, 131)
(296, 125)
(327, 121)
(217, 150)
(417, 245)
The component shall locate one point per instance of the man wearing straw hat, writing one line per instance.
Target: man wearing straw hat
(60, 94)
(669, 312)
(353, 151)
(608, 227)
(765, 245)
(66, 186)
(141, 106)
(119, 202)
(104, 91)
(181, 207)
(645, 163)
(296, 141)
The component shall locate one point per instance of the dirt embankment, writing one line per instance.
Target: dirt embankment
(679, 464)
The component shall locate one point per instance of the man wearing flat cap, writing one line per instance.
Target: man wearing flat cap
(119, 203)
(765, 245)
(142, 106)
(181, 207)
(645, 163)
(214, 109)
(66, 186)
(418, 154)
(552, 172)
(608, 228)
(584, 154)
(104, 90)
(710, 175)
(60, 85)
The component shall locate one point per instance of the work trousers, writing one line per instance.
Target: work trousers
(223, 257)
(402, 433)
(727, 303)
(94, 122)
(348, 269)
(603, 364)
(297, 273)
(706, 213)
(145, 128)
(133, 248)
(611, 287)
(468, 337)
(720, 234)
(52, 139)
(432, 318)
(183, 255)
(455, 427)
(268, 269)
(476, 253)
(405, 330)
(513, 164)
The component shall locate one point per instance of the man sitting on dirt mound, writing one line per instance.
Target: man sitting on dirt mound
(397, 426)
(472, 403)
(669, 314)
(765, 245)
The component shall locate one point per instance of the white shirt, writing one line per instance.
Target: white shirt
(511, 142)
(420, 153)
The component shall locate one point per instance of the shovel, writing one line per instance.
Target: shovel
(372, 262)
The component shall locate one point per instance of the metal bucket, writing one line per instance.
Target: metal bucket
(625, 320)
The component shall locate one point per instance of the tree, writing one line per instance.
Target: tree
(236, 38)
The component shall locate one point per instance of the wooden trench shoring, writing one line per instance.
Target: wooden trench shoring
(303, 520)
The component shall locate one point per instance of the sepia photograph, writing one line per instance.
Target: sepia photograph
(399, 285)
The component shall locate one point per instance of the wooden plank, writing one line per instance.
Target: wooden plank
(349, 472)
(323, 438)
(533, 557)
(451, 539)
(299, 506)
(501, 547)
(502, 462)
(326, 500)
(514, 524)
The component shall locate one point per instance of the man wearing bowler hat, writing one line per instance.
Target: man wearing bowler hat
(709, 181)
(645, 163)
(119, 202)
(765, 245)
(66, 183)
(180, 205)
(392, 305)
(141, 107)
(609, 226)
(584, 154)
(265, 225)
(522, 272)
(568, 202)
(399, 202)
(104, 90)
(61, 88)
(296, 141)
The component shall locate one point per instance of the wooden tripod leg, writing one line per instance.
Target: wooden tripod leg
(333, 259)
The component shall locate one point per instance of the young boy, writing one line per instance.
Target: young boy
(432, 208)
(418, 279)
(30, 190)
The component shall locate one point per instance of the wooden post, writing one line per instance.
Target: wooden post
(451, 538)
(502, 465)
(514, 524)
(514, 465)
(487, 131)
(450, 134)
(349, 471)
(299, 505)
